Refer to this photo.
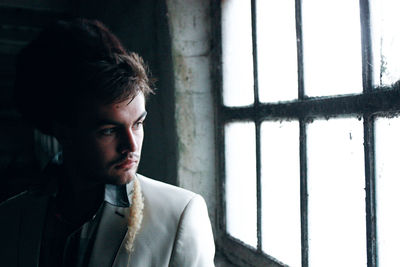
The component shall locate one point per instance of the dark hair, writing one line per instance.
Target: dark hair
(70, 63)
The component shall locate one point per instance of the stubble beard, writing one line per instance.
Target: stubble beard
(122, 178)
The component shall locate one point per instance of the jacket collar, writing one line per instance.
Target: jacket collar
(110, 236)
(119, 195)
(109, 240)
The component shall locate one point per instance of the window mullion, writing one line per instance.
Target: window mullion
(303, 193)
(299, 37)
(254, 42)
(369, 155)
(303, 140)
(367, 63)
(366, 46)
(259, 202)
(256, 104)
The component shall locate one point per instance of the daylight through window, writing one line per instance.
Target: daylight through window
(308, 123)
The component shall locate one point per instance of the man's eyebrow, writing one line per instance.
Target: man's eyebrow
(141, 117)
(112, 122)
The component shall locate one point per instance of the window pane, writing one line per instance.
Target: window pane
(335, 159)
(276, 50)
(386, 41)
(387, 190)
(240, 184)
(280, 183)
(237, 53)
(332, 47)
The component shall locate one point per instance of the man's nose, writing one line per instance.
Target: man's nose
(128, 142)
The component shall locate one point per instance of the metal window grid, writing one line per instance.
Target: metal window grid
(366, 105)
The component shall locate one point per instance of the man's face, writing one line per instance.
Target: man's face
(108, 141)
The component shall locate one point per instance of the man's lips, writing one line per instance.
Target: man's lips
(126, 164)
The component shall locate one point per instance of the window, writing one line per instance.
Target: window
(308, 129)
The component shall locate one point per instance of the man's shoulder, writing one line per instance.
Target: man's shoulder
(16, 200)
(164, 196)
(35, 194)
(23, 200)
(156, 186)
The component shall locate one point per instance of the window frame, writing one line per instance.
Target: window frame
(366, 105)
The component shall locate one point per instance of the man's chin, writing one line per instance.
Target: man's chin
(121, 178)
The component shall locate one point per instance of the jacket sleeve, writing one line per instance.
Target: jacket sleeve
(194, 242)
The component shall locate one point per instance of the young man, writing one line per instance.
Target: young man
(77, 83)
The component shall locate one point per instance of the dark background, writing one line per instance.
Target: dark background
(142, 27)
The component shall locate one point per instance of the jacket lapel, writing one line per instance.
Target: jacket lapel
(32, 223)
(110, 236)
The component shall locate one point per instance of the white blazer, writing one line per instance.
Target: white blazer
(175, 232)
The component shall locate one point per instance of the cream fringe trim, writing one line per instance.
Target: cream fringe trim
(135, 215)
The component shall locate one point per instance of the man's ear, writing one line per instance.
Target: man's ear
(63, 134)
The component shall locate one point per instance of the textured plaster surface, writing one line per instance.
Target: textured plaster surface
(189, 23)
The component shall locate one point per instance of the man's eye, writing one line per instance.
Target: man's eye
(107, 131)
(138, 125)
